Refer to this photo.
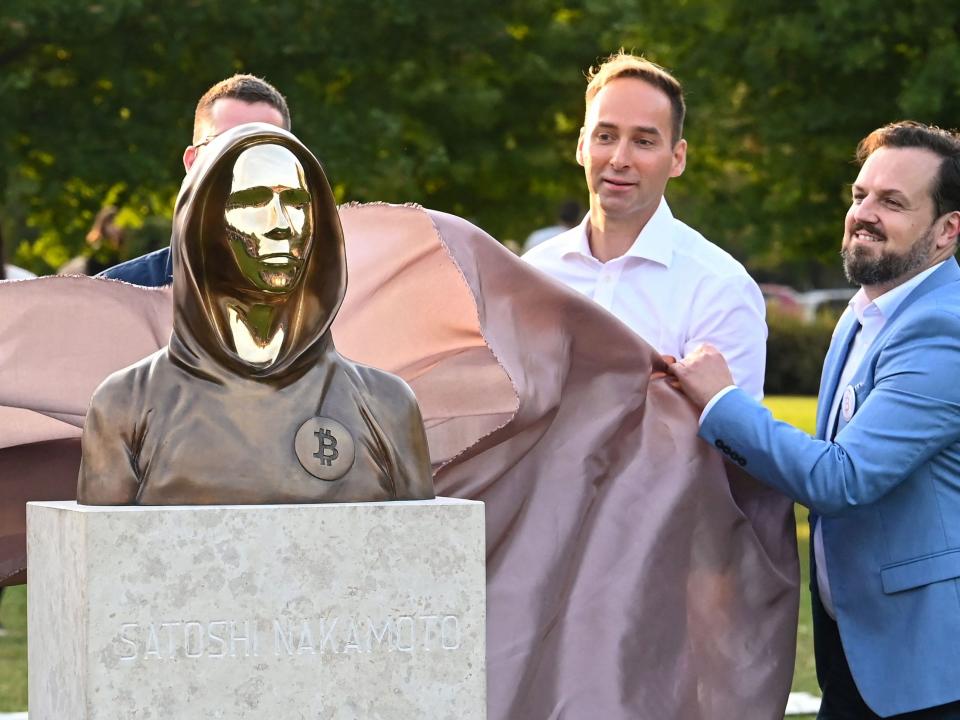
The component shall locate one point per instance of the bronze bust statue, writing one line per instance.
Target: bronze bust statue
(251, 403)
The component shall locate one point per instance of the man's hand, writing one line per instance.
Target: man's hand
(701, 374)
(661, 370)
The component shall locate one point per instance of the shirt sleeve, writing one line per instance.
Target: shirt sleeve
(730, 314)
(713, 401)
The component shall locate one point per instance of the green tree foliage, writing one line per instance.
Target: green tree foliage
(781, 92)
(452, 105)
(466, 106)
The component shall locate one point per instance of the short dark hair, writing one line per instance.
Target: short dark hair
(247, 88)
(945, 190)
(623, 64)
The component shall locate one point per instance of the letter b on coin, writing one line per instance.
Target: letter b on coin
(325, 448)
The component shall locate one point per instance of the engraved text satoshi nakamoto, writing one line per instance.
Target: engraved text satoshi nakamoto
(283, 637)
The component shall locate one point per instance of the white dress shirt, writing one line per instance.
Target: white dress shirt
(872, 316)
(673, 287)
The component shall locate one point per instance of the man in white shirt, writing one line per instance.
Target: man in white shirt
(665, 280)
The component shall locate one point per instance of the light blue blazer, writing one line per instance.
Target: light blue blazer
(887, 492)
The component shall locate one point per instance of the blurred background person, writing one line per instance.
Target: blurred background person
(568, 215)
(105, 244)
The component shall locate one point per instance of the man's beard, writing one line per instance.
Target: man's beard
(864, 268)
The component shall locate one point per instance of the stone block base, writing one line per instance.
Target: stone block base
(281, 612)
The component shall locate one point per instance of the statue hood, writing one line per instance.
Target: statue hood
(207, 279)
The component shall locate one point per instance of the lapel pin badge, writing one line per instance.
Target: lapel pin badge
(849, 403)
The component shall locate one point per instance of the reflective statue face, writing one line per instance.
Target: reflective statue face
(269, 217)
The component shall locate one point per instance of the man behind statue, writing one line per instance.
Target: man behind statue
(237, 100)
(250, 402)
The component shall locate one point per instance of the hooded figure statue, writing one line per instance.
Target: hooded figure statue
(251, 403)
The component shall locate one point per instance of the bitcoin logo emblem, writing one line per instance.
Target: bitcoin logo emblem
(325, 448)
(327, 452)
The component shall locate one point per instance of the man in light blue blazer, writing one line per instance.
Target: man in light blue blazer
(882, 477)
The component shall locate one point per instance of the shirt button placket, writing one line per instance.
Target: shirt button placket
(605, 285)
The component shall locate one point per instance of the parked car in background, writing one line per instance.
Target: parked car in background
(806, 306)
(781, 299)
(832, 302)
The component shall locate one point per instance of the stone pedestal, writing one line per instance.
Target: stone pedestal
(283, 612)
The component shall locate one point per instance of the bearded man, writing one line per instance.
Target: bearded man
(882, 477)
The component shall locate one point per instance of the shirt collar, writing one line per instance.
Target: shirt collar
(887, 304)
(655, 241)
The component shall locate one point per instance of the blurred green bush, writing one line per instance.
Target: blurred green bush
(795, 352)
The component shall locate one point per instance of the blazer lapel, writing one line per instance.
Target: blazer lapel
(833, 366)
(847, 328)
(947, 273)
(944, 275)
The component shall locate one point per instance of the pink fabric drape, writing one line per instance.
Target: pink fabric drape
(628, 575)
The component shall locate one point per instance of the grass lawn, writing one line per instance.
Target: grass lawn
(798, 411)
(801, 412)
(13, 650)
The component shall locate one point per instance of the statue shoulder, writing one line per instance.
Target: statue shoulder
(380, 384)
(126, 387)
